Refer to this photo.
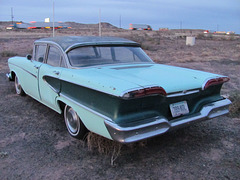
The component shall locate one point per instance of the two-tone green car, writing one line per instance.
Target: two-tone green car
(109, 86)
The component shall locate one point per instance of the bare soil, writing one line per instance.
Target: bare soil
(34, 142)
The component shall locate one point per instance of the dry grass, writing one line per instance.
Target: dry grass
(104, 146)
(235, 107)
(8, 54)
(111, 148)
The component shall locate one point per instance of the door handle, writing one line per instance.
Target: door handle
(37, 67)
(56, 72)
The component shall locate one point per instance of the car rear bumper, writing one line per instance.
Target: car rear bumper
(159, 125)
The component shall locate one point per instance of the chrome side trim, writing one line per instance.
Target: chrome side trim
(183, 93)
(160, 125)
(24, 70)
(86, 108)
(131, 67)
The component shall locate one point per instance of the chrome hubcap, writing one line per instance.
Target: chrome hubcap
(17, 85)
(72, 121)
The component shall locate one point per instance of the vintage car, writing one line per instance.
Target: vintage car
(109, 86)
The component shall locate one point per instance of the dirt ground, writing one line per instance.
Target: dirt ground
(34, 142)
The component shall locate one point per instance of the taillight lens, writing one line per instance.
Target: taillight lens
(145, 92)
(216, 81)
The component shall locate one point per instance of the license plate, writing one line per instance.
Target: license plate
(179, 108)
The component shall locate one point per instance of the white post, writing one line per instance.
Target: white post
(100, 28)
(53, 21)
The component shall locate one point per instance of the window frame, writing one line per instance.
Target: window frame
(47, 52)
(62, 57)
(35, 53)
(62, 63)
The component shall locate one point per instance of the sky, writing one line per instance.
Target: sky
(221, 15)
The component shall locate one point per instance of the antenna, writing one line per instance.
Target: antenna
(12, 14)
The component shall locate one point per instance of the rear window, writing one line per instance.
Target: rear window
(99, 55)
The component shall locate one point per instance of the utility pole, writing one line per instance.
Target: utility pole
(181, 26)
(12, 14)
(120, 21)
(53, 21)
(100, 27)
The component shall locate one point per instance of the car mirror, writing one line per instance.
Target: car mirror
(29, 56)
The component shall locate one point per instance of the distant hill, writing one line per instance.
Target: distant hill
(91, 26)
(4, 24)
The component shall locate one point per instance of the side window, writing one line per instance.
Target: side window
(54, 56)
(40, 51)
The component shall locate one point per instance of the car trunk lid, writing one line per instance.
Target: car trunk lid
(172, 79)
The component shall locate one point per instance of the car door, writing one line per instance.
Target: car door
(49, 74)
(30, 82)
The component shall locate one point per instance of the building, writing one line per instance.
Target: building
(38, 25)
(140, 27)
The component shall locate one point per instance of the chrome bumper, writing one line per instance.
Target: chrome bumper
(9, 76)
(160, 125)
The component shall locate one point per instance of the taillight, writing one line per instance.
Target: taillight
(216, 81)
(145, 92)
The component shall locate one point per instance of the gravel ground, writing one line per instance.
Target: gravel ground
(34, 142)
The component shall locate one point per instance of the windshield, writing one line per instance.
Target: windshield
(99, 55)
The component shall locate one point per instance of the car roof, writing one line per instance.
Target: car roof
(70, 42)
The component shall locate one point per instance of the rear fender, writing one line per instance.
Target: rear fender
(94, 122)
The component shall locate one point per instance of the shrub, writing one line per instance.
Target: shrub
(235, 107)
(200, 36)
(8, 54)
(104, 146)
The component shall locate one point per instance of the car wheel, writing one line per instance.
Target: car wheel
(74, 124)
(18, 87)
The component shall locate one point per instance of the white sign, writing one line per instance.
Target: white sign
(47, 20)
